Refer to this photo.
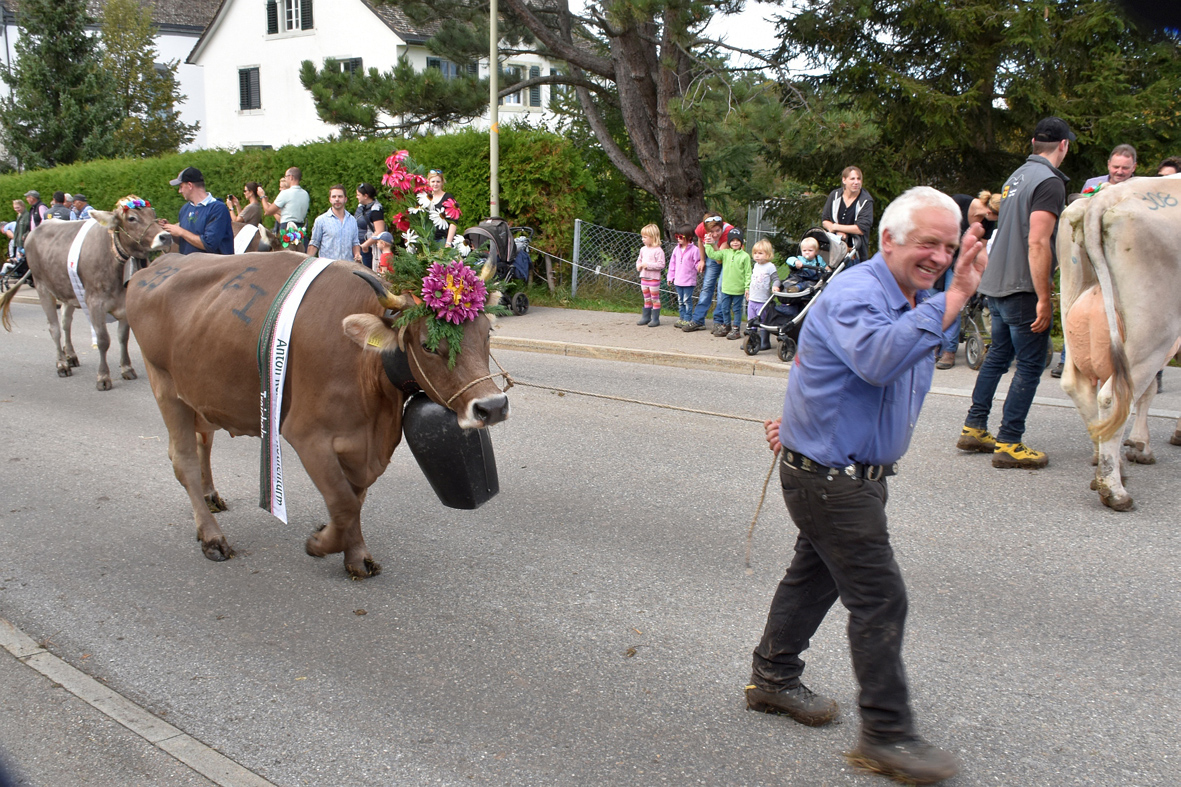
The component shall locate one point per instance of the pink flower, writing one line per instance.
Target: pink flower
(454, 292)
(400, 221)
(451, 210)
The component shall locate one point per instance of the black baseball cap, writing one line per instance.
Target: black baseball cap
(1052, 129)
(187, 175)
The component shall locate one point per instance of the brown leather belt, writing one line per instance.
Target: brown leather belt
(798, 461)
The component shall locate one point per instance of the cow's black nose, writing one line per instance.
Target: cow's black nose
(491, 409)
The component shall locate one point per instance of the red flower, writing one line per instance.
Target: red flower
(400, 221)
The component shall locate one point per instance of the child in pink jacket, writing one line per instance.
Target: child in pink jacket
(682, 272)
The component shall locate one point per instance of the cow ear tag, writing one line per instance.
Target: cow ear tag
(458, 463)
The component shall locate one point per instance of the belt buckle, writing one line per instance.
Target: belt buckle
(851, 471)
(871, 476)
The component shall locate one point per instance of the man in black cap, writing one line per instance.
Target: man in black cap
(82, 208)
(204, 223)
(1017, 284)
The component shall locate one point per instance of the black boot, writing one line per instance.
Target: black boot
(655, 318)
(764, 339)
(645, 317)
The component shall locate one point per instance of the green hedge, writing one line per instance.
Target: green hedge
(543, 181)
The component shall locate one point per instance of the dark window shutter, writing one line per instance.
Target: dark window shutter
(535, 91)
(305, 15)
(434, 62)
(249, 96)
(355, 66)
(272, 17)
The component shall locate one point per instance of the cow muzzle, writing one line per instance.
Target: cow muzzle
(162, 241)
(485, 411)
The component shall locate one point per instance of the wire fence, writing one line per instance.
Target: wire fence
(605, 261)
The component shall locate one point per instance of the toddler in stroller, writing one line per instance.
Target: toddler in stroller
(784, 313)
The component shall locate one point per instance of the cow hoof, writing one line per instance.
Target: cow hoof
(129, 374)
(1140, 456)
(1175, 439)
(1118, 502)
(218, 550)
(312, 545)
(1094, 484)
(63, 370)
(73, 361)
(215, 503)
(371, 568)
(104, 384)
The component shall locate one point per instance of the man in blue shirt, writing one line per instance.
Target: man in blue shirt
(204, 222)
(81, 211)
(865, 362)
(334, 235)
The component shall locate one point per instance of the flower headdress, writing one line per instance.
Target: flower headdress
(132, 202)
(291, 236)
(451, 291)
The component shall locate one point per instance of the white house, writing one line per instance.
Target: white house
(179, 24)
(252, 50)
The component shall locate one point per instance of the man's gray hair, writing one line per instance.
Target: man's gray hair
(898, 217)
(1123, 150)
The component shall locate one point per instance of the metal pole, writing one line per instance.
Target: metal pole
(494, 114)
(577, 249)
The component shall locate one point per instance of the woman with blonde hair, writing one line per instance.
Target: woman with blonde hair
(849, 212)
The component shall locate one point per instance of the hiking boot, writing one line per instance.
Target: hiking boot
(1018, 455)
(645, 316)
(693, 326)
(914, 761)
(719, 329)
(1057, 370)
(946, 360)
(734, 334)
(800, 702)
(680, 324)
(973, 439)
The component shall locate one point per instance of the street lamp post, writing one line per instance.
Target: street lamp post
(494, 114)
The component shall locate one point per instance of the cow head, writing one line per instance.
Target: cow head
(133, 226)
(467, 388)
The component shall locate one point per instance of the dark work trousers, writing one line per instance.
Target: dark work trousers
(842, 551)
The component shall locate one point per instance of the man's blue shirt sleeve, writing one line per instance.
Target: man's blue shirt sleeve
(218, 234)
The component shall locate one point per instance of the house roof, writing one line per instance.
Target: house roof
(171, 16)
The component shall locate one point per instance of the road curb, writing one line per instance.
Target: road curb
(750, 367)
(203, 759)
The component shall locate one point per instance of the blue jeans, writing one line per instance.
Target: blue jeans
(710, 283)
(1011, 338)
(685, 301)
(729, 305)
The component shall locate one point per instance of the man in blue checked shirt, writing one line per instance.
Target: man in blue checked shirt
(335, 235)
(865, 362)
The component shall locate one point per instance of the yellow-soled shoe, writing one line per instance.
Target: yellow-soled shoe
(1018, 455)
(978, 440)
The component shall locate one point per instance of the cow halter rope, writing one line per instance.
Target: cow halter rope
(274, 352)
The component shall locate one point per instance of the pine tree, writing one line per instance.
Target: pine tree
(147, 93)
(62, 107)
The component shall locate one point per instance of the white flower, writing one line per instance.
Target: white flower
(439, 219)
(461, 246)
(414, 210)
(411, 238)
(424, 201)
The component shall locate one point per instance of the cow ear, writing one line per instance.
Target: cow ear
(104, 217)
(369, 332)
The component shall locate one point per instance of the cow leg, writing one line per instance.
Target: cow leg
(1107, 474)
(67, 335)
(1139, 451)
(343, 531)
(49, 306)
(181, 421)
(104, 344)
(124, 355)
(204, 449)
(1176, 438)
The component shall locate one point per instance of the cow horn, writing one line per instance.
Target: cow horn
(488, 270)
(387, 299)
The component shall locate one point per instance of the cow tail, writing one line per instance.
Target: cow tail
(6, 303)
(1119, 387)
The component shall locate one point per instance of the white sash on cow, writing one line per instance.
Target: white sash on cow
(72, 269)
(243, 238)
(274, 350)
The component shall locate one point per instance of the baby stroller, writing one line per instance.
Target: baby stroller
(12, 271)
(974, 331)
(783, 315)
(508, 248)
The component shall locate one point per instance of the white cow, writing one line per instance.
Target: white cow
(1121, 266)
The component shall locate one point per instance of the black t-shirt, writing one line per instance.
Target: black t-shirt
(442, 234)
(1049, 195)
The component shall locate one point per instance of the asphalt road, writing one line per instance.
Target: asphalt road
(593, 623)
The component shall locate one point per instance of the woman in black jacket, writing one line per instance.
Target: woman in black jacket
(849, 213)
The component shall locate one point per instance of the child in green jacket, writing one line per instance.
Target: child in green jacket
(736, 267)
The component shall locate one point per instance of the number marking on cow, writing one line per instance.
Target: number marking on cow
(1159, 199)
(258, 292)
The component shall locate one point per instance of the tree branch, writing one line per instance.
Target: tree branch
(558, 79)
(565, 50)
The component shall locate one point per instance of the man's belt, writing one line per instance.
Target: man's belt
(869, 472)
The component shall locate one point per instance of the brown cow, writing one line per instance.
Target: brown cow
(198, 318)
(121, 241)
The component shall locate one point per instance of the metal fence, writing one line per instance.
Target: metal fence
(606, 258)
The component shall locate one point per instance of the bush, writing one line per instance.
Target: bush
(543, 182)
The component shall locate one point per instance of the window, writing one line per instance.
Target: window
(556, 92)
(286, 16)
(249, 96)
(451, 70)
(512, 75)
(348, 65)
